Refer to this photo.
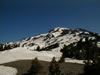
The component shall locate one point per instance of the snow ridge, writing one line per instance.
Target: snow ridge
(60, 35)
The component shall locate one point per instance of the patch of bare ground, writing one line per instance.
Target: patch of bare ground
(66, 68)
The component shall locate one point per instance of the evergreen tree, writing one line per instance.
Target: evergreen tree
(1, 47)
(62, 59)
(54, 68)
(38, 48)
(35, 68)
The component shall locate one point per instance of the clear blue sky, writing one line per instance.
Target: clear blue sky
(24, 18)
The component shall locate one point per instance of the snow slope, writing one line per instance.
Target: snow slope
(60, 35)
(23, 53)
(47, 39)
(7, 70)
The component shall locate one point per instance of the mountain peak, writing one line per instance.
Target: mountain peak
(59, 29)
(80, 29)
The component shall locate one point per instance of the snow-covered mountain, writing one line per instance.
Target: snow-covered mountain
(53, 40)
(44, 46)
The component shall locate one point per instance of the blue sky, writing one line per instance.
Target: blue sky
(24, 18)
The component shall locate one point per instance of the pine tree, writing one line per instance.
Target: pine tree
(35, 68)
(54, 68)
(1, 47)
(57, 69)
(62, 59)
(38, 48)
(64, 51)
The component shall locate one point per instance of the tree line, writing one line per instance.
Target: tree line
(85, 50)
(8, 46)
